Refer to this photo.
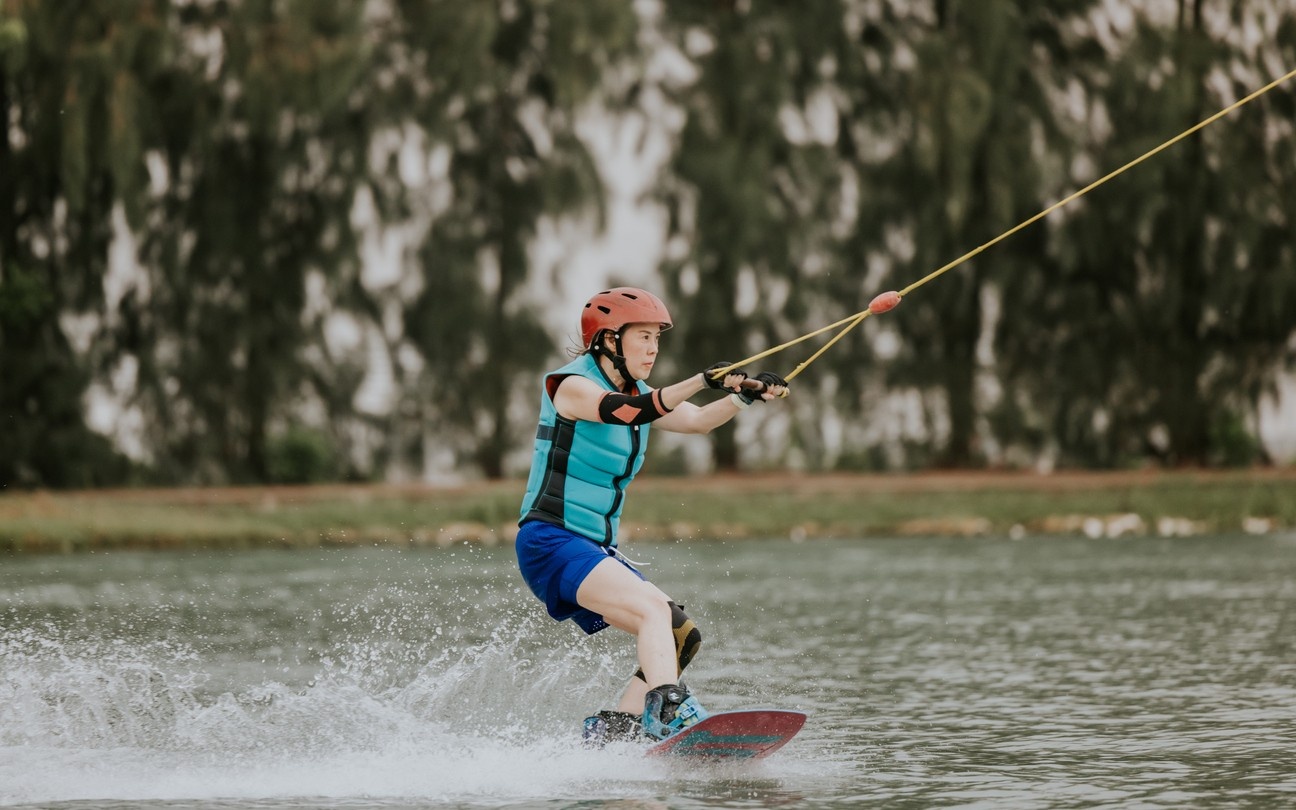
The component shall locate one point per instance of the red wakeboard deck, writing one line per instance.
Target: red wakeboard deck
(734, 735)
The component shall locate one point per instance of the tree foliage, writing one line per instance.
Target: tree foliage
(753, 200)
(971, 136)
(514, 159)
(1167, 309)
(189, 193)
(76, 85)
(265, 139)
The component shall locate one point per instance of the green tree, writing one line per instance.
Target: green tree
(965, 136)
(76, 89)
(265, 134)
(236, 137)
(500, 87)
(1168, 306)
(752, 184)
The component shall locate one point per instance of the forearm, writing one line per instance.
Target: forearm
(714, 414)
(690, 418)
(673, 396)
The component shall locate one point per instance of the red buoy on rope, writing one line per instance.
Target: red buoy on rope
(884, 303)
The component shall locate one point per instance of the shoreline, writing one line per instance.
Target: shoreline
(1147, 503)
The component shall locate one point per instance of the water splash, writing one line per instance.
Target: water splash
(55, 692)
(322, 680)
(123, 720)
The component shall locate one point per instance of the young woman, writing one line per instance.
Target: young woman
(595, 414)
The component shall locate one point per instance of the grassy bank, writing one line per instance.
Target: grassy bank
(1017, 504)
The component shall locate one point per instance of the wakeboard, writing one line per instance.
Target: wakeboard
(748, 734)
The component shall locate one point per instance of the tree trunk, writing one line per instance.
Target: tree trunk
(1183, 409)
(725, 450)
(960, 336)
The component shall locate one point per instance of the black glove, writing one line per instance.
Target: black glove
(718, 384)
(767, 378)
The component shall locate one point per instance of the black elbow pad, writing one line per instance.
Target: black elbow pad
(624, 409)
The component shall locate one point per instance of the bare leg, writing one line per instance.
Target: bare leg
(632, 699)
(641, 609)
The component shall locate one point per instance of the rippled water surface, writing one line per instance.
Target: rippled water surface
(983, 673)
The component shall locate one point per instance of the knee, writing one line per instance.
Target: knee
(651, 608)
(688, 638)
(659, 608)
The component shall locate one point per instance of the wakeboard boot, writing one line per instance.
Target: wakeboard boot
(609, 726)
(670, 708)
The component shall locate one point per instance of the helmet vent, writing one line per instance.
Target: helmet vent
(605, 310)
(631, 297)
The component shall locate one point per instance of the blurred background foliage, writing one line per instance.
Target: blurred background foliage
(193, 194)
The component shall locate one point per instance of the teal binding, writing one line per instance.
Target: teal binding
(580, 469)
(669, 709)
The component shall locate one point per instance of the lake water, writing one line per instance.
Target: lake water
(952, 673)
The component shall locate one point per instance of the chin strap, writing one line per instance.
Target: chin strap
(617, 357)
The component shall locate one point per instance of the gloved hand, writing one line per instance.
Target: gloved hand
(766, 378)
(729, 382)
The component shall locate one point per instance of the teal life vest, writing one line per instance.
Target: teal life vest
(580, 469)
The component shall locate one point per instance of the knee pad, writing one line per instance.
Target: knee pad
(688, 639)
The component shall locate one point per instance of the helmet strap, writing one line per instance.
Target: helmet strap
(617, 356)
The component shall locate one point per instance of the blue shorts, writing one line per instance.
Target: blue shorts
(554, 563)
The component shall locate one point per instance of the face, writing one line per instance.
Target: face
(639, 344)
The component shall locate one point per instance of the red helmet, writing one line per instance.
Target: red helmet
(614, 308)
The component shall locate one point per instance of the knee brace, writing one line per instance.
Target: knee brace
(687, 638)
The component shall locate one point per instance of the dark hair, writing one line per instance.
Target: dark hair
(576, 350)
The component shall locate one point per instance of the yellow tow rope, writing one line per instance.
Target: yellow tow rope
(888, 300)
